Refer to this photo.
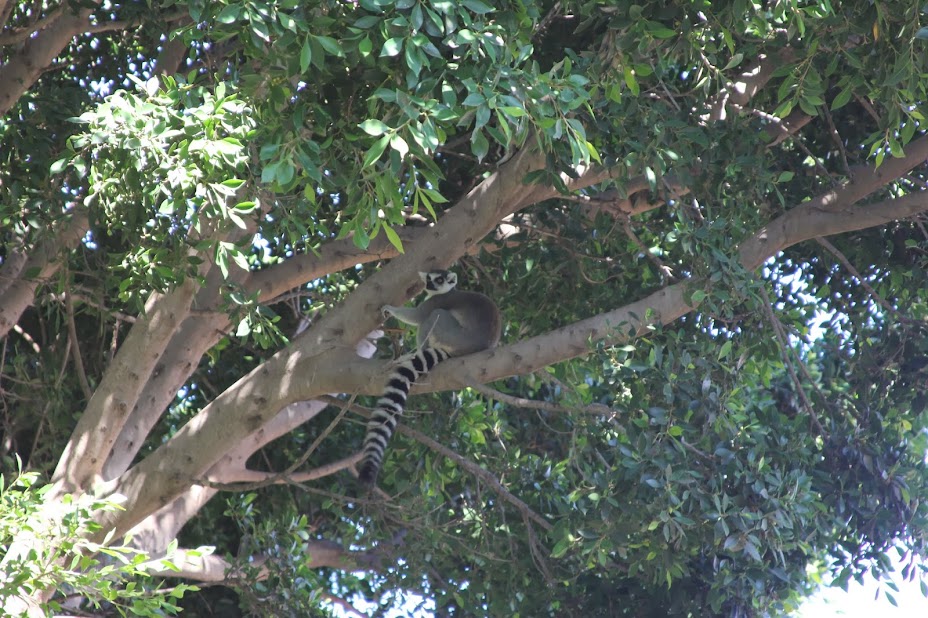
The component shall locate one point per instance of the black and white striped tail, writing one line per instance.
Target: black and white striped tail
(384, 417)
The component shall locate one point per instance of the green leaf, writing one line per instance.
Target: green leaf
(393, 237)
(361, 238)
(735, 61)
(259, 29)
(330, 45)
(306, 56)
(478, 7)
(630, 80)
(561, 547)
(59, 166)
(392, 47)
(726, 350)
(398, 144)
(510, 110)
(374, 127)
(895, 149)
(479, 145)
(375, 151)
(229, 14)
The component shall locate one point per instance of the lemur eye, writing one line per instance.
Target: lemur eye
(439, 279)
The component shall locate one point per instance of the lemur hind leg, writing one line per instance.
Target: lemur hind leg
(442, 330)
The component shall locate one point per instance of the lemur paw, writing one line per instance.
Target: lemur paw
(387, 310)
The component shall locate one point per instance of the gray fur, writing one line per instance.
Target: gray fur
(450, 323)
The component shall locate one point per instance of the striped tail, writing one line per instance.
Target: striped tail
(384, 417)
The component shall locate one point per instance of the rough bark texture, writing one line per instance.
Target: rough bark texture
(21, 275)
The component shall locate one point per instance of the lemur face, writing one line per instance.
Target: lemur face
(439, 281)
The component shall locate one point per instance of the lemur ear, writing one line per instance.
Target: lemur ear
(424, 276)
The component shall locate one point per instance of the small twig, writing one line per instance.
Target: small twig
(522, 402)
(661, 267)
(48, 404)
(837, 138)
(868, 107)
(860, 279)
(468, 465)
(779, 123)
(75, 347)
(693, 449)
(133, 23)
(479, 472)
(542, 25)
(85, 299)
(538, 556)
(345, 605)
(287, 475)
(784, 352)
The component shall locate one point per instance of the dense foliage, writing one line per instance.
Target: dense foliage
(186, 186)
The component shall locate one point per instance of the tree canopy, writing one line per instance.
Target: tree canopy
(704, 224)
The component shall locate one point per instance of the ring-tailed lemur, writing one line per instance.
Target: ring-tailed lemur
(450, 323)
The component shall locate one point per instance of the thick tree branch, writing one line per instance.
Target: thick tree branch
(814, 219)
(740, 92)
(108, 409)
(621, 325)
(320, 363)
(6, 9)
(19, 35)
(210, 568)
(330, 258)
(199, 331)
(37, 54)
(22, 279)
(156, 531)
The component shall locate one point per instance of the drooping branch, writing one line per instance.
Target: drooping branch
(861, 279)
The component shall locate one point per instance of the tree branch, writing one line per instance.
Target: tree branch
(547, 406)
(22, 279)
(37, 53)
(75, 346)
(860, 279)
(108, 409)
(751, 81)
(158, 529)
(210, 568)
(19, 35)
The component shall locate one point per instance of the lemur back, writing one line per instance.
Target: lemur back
(450, 323)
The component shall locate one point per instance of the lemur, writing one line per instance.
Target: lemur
(450, 323)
